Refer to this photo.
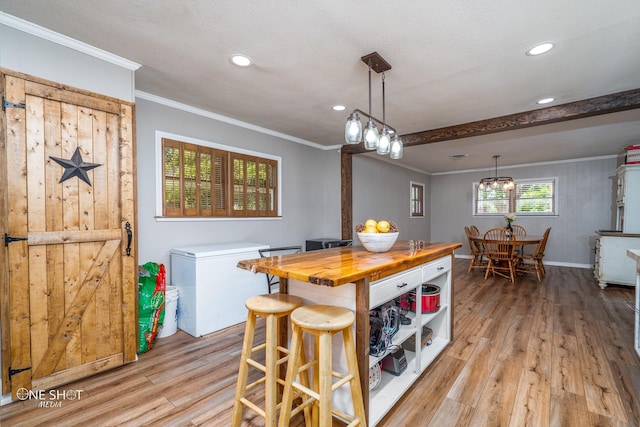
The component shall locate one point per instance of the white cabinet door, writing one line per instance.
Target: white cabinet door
(612, 264)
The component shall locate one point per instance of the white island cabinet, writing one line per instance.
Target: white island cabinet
(211, 290)
(360, 280)
(390, 387)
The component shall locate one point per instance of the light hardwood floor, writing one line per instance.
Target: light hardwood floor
(556, 353)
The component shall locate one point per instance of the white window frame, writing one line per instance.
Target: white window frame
(512, 199)
(159, 161)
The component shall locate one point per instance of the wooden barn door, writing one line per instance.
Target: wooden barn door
(68, 298)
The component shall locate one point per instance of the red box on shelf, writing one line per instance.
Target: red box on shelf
(633, 155)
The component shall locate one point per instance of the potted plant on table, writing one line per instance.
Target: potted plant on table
(510, 217)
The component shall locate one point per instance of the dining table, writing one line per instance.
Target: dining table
(517, 241)
(529, 239)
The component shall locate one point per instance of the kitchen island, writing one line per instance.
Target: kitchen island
(360, 280)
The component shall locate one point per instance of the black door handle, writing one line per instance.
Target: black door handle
(127, 227)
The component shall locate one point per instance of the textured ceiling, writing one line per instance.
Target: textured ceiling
(453, 62)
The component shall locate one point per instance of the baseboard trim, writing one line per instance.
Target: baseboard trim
(556, 263)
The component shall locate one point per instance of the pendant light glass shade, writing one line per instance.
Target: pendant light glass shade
(371, 136)
(384, 142)
(397, 149)
(374, 139)
(353, 129)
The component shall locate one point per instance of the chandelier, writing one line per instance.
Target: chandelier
(506, 182)
(384, 141)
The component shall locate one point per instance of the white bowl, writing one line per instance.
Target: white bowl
(377, 242)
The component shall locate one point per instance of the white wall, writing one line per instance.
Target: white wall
(382, 191)
(308, 176)
(80, 66)
(585, 204)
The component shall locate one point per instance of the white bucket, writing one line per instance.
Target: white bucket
(170, 324)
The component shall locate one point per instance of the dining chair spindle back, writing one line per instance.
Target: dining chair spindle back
(533, 263)
(500, 251)
(477, 250)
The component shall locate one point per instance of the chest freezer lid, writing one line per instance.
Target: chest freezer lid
(213, 249)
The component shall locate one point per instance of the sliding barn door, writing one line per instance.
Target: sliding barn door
(69, 296)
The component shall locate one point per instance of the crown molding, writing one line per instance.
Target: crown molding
(204, 113)
(52, 36)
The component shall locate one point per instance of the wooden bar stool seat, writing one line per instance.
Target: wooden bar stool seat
(321, 321)
(271, 307)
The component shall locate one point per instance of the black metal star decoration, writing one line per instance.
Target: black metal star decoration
(75, 167)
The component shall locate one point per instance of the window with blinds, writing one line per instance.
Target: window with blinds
(201, 181)
(529, 197)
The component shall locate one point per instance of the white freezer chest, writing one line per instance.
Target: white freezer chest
(212, 288)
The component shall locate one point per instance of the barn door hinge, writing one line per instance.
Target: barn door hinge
(12, 372)
(6, 104)
(9, 239)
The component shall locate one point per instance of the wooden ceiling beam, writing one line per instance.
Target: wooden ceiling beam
(621, 101)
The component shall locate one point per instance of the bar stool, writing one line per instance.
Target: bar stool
(272, 307)
(322, 321)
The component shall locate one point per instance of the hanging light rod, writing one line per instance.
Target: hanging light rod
(373, 139)
(506, 182)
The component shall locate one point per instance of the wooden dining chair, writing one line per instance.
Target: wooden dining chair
(533, 263)
(477, 251)
(499, 249)
(283, 250)
(519, 230)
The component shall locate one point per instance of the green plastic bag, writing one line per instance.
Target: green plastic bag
(152, 286)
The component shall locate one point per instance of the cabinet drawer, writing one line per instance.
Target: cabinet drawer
(436, 268)
(394, 286)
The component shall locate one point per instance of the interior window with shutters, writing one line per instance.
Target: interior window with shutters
(202, 181)
(529, 197)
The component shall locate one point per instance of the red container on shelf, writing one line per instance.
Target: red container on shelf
(633, 155)
(430, 298)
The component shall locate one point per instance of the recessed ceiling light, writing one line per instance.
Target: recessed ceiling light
(241, 60)
(539, 49)
(545, 101)
(339, 108)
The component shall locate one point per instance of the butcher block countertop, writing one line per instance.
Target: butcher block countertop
(338, 266)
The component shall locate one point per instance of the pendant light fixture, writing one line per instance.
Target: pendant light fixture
(374, 139)
(506, 182)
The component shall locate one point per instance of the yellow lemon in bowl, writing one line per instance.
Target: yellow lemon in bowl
(370, 223)
(370, 229)
(383, 226)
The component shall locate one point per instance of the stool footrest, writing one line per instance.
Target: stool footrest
(353, 421)
(251, 405)
(255, 383)
(343, 380)
(305, 390)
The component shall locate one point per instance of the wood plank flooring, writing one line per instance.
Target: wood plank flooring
(556, 353)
